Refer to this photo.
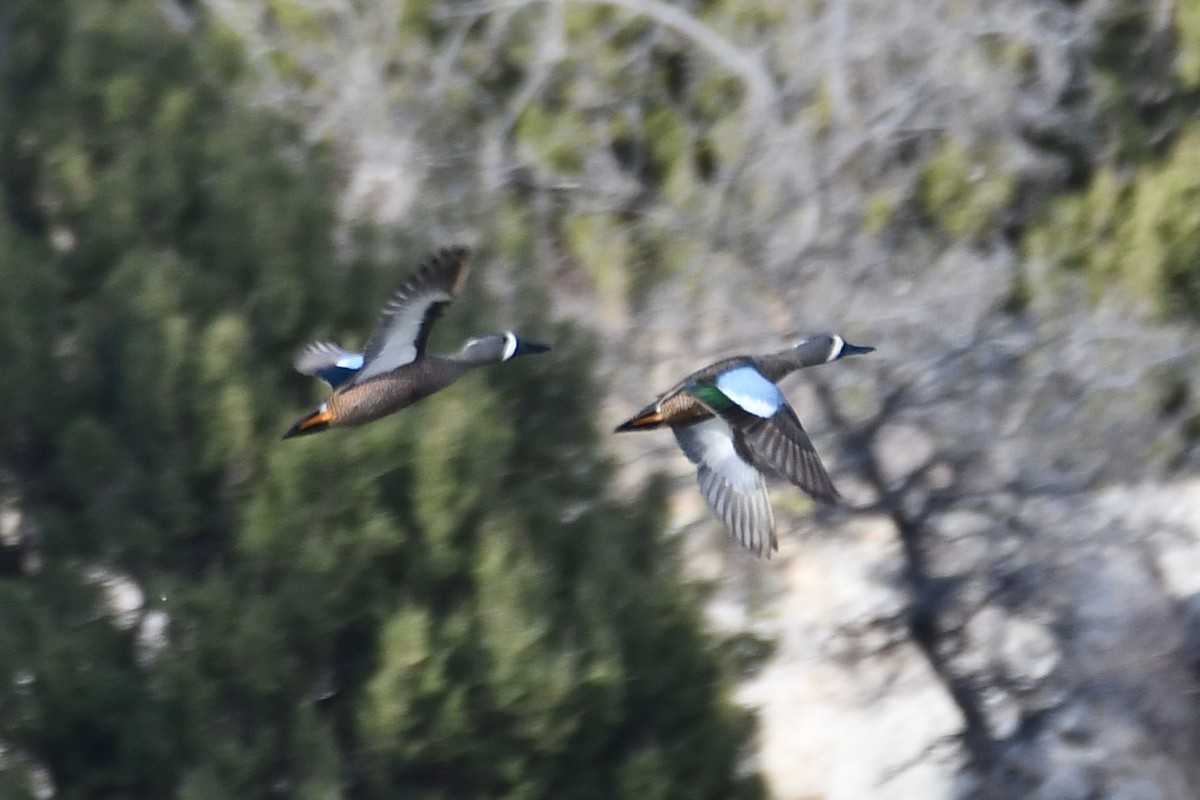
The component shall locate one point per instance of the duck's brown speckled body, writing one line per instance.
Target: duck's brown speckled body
(394, 370)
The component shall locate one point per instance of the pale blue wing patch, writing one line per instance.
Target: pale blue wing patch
(330, 363)
(746, 387)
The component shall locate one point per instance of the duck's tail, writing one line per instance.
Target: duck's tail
(315, 422)
(648, 418)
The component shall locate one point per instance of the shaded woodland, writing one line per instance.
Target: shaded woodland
(487, 596)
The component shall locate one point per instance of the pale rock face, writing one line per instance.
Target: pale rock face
(846, 709)
(1087, 685)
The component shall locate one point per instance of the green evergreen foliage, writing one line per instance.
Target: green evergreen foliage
(677, 131)
(1187, 27)
(961, 192)
(1134, 223)
(443, 604)
(1141, 230)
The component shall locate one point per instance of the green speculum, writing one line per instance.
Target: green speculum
(710, 395)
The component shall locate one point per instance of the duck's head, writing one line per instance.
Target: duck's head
(498, 347)
(828, 347)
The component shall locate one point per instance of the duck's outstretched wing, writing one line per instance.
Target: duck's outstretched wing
(329, 362)
(779, 443)
(411, 312)
(732, 487)
(765, 428)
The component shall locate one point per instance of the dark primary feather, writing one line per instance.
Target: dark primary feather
(732, 449)
(781, 445)
(409, 315)
(747, 515)
(676, 406)
(778, 444)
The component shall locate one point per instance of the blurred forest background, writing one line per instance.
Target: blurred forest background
(488, 596)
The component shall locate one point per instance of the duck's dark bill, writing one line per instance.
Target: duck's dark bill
(856, 350)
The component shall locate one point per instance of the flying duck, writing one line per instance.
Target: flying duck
(394, 371)
(734, 424)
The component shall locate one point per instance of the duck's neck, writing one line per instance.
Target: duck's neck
(776, 366)
(808, 353)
